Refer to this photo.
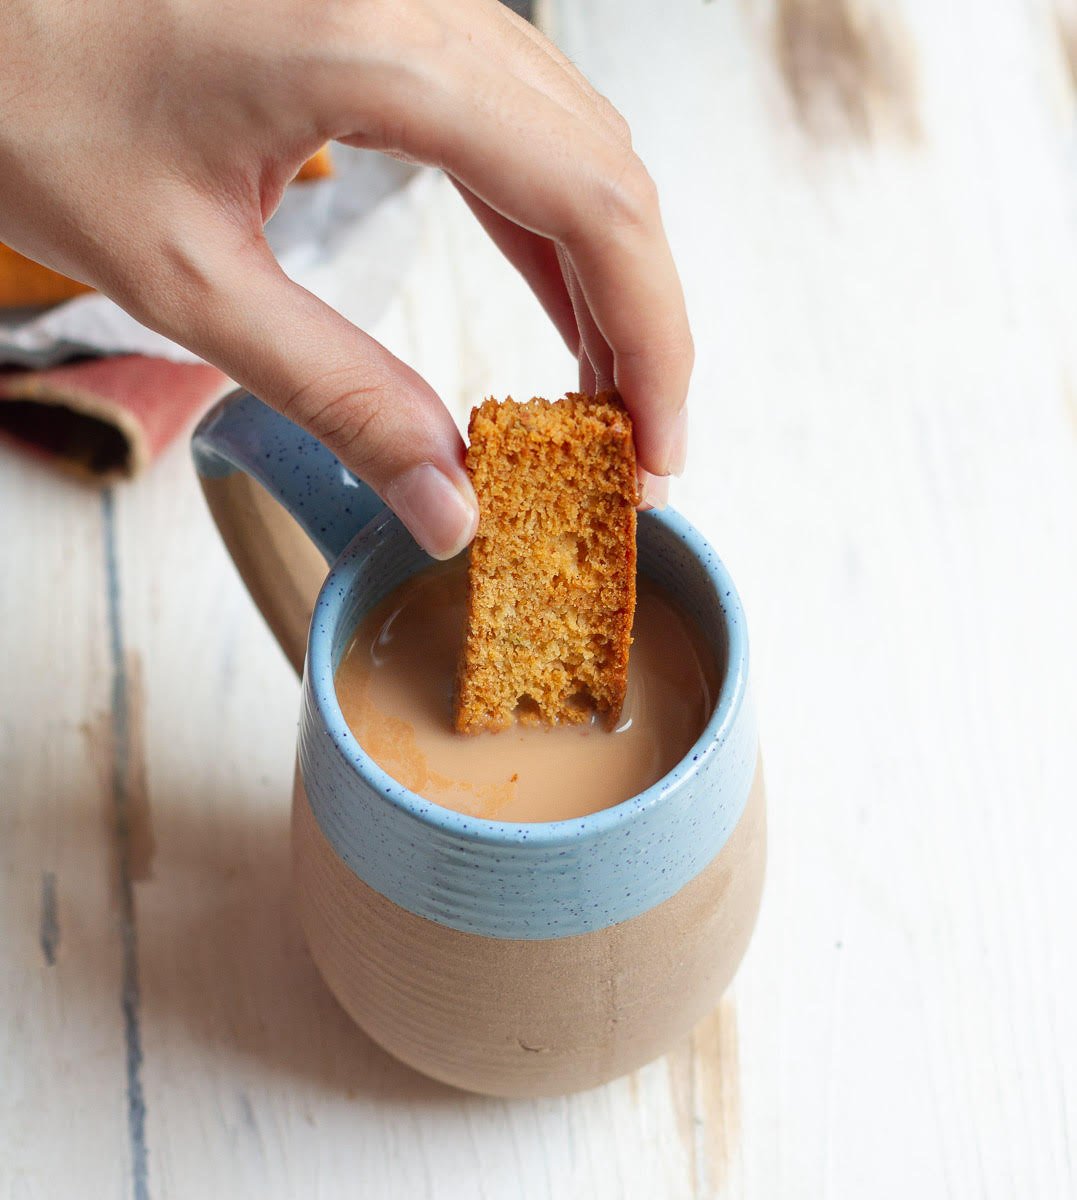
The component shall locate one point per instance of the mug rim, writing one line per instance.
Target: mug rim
(320, 682)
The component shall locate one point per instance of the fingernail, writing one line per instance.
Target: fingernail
(678, 444)
(654, 490)
(437, 513)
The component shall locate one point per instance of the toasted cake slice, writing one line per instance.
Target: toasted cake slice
(552, 573)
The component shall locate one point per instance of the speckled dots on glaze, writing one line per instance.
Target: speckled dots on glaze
(526, 882)
(328, 501)
(539, 880)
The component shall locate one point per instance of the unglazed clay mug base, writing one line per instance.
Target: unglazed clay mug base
(515, 960)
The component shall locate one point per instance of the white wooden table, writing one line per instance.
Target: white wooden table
(875, 211)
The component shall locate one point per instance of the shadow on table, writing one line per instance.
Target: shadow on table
(223, 962)
(232, 1011)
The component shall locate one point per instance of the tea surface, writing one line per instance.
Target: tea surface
(395, 686)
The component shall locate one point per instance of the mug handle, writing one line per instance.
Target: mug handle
(284, 505)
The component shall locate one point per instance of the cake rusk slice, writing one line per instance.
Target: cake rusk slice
(552, 571)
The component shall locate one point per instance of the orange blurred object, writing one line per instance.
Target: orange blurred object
(25, 283)
(317, 167)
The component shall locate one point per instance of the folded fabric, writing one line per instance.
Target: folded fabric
(106, 418)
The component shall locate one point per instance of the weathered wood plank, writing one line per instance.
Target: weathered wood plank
(65, 1109)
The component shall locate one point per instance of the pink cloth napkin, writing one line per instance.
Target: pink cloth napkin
(105, 418)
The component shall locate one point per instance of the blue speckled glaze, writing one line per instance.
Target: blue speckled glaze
(241, 432)
(501, 880)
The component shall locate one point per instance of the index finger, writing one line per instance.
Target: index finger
(560, 175)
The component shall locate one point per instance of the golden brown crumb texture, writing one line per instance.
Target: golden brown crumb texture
(552, 573)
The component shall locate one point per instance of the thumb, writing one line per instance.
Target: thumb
(380, 418)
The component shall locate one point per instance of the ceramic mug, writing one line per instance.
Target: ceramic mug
(517, 960)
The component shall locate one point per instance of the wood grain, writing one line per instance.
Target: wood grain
(62, 1054)
(847, 69)
(1065, 15)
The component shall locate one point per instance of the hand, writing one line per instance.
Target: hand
(145, 143)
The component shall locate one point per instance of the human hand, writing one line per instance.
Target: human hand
(145, 144)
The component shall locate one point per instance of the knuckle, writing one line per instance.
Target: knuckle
(389, 32)
(392, 63)
(670, 352)
(367, 22)
(628, 197)
(354, 421)
(612, 116)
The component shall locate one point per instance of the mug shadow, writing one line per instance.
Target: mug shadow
(223, 961)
